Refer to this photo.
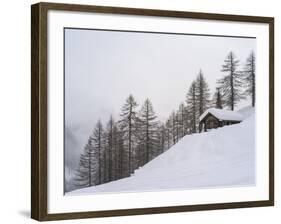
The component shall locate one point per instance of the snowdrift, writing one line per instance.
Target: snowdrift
(223, 157)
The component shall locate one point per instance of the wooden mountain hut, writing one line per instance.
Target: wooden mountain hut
(215, 118)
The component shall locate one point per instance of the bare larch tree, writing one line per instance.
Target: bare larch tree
(98, 146)
(230, 84)
(202, 93)
(217, 99)
(192, 106)
(249, 77)
(128, 125)
(83, 177)
(148, 130)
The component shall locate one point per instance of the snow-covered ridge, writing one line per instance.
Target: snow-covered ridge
(223, 157)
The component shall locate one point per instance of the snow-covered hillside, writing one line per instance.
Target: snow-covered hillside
(223, 157)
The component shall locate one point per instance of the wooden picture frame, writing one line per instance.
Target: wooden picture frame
(39, 110)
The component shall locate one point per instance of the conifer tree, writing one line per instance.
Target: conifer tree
(105, 158)
(128, 125)
(120, 152)
(83, 177)
(191, 101)
(177, 126)
(174, 127)
(202, 93)
(89, 170)
(162, 138)
(217, 100)
(148, 130)
(250, 76)
(115, 152)
(183, 119)
(97, 143)
(110, 146)
(169, 132)
(230, 84)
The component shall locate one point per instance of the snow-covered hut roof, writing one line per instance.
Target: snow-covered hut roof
(226, 115)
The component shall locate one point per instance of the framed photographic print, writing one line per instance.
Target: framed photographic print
(141, 111)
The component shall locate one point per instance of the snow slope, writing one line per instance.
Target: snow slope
(246, 111)
(223, 157)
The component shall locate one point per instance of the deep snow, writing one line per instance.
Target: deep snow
(223, 157)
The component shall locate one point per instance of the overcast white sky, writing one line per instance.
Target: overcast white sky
(103, 67)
